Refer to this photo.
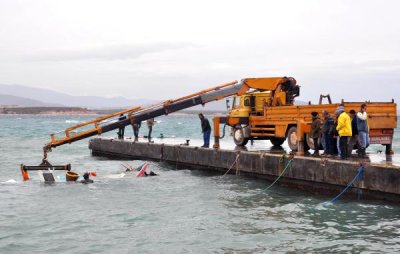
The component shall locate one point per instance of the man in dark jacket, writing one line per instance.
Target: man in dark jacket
(121, 130)
(206, 129)
(315, 131)
(136, 128)
(354, 138)
(328, 132)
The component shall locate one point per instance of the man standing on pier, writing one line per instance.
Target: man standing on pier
(328, 131)
(316, 132)
(206, 129)
(121, 130)
(353, 140)
(363, 130)
(136, 128)
(344, 129)
(150, 123)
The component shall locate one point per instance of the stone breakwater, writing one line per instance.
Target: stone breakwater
(315, 175)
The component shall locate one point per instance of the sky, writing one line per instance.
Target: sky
(166, 49)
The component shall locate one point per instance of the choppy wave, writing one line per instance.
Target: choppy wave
(72, 121)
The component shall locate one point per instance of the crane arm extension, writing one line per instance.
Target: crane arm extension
(71, 137)
(138, 115)
(167, 107)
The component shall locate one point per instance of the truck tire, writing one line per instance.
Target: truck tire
(238, 136)
(306, 147)
(277, 141)
(292, 138)
(310, 142)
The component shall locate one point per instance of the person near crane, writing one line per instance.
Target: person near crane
(354, 131)
(150, 123)
(328, 132)
(316, 131)
(363, 130)
(121, 130)
(206, 130)
(344, 130)
(136, 128)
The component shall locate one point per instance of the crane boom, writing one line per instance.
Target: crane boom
(139, 114)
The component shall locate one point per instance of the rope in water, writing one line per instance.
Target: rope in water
(283, 172)
(358, 175)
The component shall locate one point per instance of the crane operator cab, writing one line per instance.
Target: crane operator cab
(282, 93)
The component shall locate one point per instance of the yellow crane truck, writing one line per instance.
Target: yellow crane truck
(263, 108)
(267, 112)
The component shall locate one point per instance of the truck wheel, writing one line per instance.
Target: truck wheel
(310, 142)
(277, 141)
(238, 136)
(292, 138)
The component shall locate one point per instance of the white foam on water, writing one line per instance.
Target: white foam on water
(115, 176)
(323, 206)
(71, 121)
(11, 181)
(61, 179)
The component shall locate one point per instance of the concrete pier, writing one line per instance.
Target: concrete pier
(316, 175)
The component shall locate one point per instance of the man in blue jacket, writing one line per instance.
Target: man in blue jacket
(206, 129)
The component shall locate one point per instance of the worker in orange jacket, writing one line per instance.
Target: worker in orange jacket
(344, 130)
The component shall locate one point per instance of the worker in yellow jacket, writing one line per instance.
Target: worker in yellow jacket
(344, 130)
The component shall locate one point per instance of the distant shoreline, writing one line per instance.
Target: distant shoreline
(57, 111)
(44, 110)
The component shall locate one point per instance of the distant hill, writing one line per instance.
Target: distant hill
(6, 99)
(29, 96)
(49, 97)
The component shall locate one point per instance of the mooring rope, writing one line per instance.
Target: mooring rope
(282, 161)
(235, 162)
(357, 176)
(237, 166)
(283, 172)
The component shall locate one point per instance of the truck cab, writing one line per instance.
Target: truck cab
(250, 104)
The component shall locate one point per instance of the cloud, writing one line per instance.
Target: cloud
(105, 53)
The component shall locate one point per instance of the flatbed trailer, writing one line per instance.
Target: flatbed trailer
(258, 116)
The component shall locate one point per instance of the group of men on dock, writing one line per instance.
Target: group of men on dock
(205, 128)
(347, 129)
(150, 123)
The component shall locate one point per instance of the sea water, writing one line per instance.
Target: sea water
(179, 211)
